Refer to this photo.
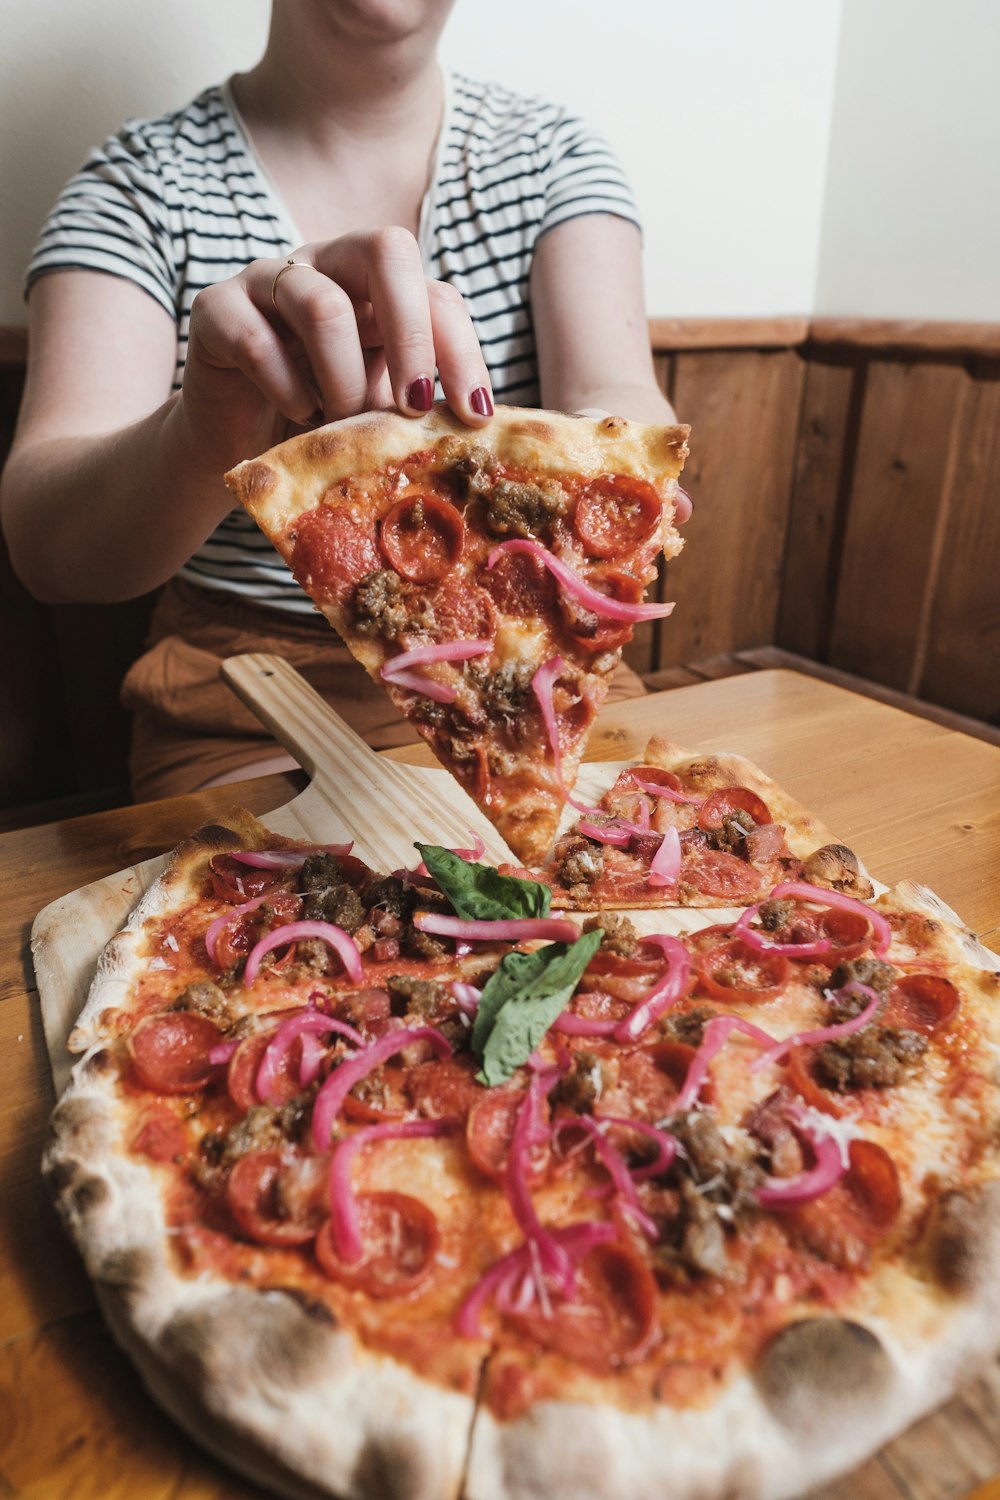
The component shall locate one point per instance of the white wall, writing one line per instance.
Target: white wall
(911, 224)
(720, 110)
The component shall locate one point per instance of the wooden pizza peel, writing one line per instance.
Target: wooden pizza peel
(353, 793)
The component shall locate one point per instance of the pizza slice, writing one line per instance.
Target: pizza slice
(487, 579)
(694, 830)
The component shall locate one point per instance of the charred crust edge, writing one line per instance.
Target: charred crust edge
(814, 1369)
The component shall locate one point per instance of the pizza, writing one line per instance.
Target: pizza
(694, 830)
(399, 1186)
(488, 579)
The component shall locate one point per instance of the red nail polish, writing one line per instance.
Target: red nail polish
(420, 396)
(481, 402)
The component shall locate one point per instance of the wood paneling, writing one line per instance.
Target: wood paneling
(728, 333)
(914, 337)
(743, 408)
(960, 663)
(898, 504)
(819, 499)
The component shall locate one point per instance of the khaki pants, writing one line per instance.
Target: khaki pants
(189, 728)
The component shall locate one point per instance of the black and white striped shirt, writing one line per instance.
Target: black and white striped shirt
(179, 203)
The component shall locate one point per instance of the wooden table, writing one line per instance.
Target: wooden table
(915, 799)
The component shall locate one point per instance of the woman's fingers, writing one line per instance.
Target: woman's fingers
(321, 314)
(420, 324)
(228, 333)
(465, 379)
(349, 323)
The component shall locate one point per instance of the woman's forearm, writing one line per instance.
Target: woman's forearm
(108, 516)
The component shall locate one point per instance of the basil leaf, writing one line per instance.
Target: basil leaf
(522, 998)
(479, 894)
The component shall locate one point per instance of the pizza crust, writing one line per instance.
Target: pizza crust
(275, 1388)
(293, 477)
(265, 1369)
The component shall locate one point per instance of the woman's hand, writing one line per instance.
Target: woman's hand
(338, 328)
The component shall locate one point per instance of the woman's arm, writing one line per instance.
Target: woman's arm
(590, 321)
(113, 483)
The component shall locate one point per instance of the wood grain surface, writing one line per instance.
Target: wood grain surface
(917, 799)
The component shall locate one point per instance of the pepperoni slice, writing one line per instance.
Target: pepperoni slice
(461, 612)
(732, 971)
(615, 514)
(845, 1224)
(730, 799)
(235, 882)
(422, 536)
(873, 1182)
(923, 1002)
(380, 1096)
(161, 1136)
(490, 1129)
(331, 553)
(244, 1065)
(715, 873)
(649, 1080)
(256, 1205)
(801, 1079)
(521, 586)
(612, 1318)
(850, 932)
(444, 1088)
(400, 1238)
(589, 629)
(624, 978)
(170, 1051)
(237, 937)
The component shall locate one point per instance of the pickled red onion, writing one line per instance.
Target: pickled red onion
(223, 1052)
(344, 1223)
(821, 896)
(511, 929)
(215, 928)
(541, 686)
(665, 1143)
(666, 866)
(666, 992)
(307, 1021)
(327, 932)
(510, 1276)
(654, 789)
(620, 1176)
(467, 995)
(287, 859)
(752, 938)
(591, 598)
(571, 1024)
(311, 1060)
(616, 832)
(528, 1133)
(717, 1033)
(831, 1163)
(396, 671)
(825, 1033)
(340, 1082)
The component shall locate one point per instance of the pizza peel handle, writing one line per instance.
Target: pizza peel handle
(354, 793)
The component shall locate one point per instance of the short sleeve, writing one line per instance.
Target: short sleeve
(583, 176)
(112, 217)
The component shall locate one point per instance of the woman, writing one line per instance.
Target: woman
(435, 225)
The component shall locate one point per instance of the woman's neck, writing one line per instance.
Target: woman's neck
(337, 89)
